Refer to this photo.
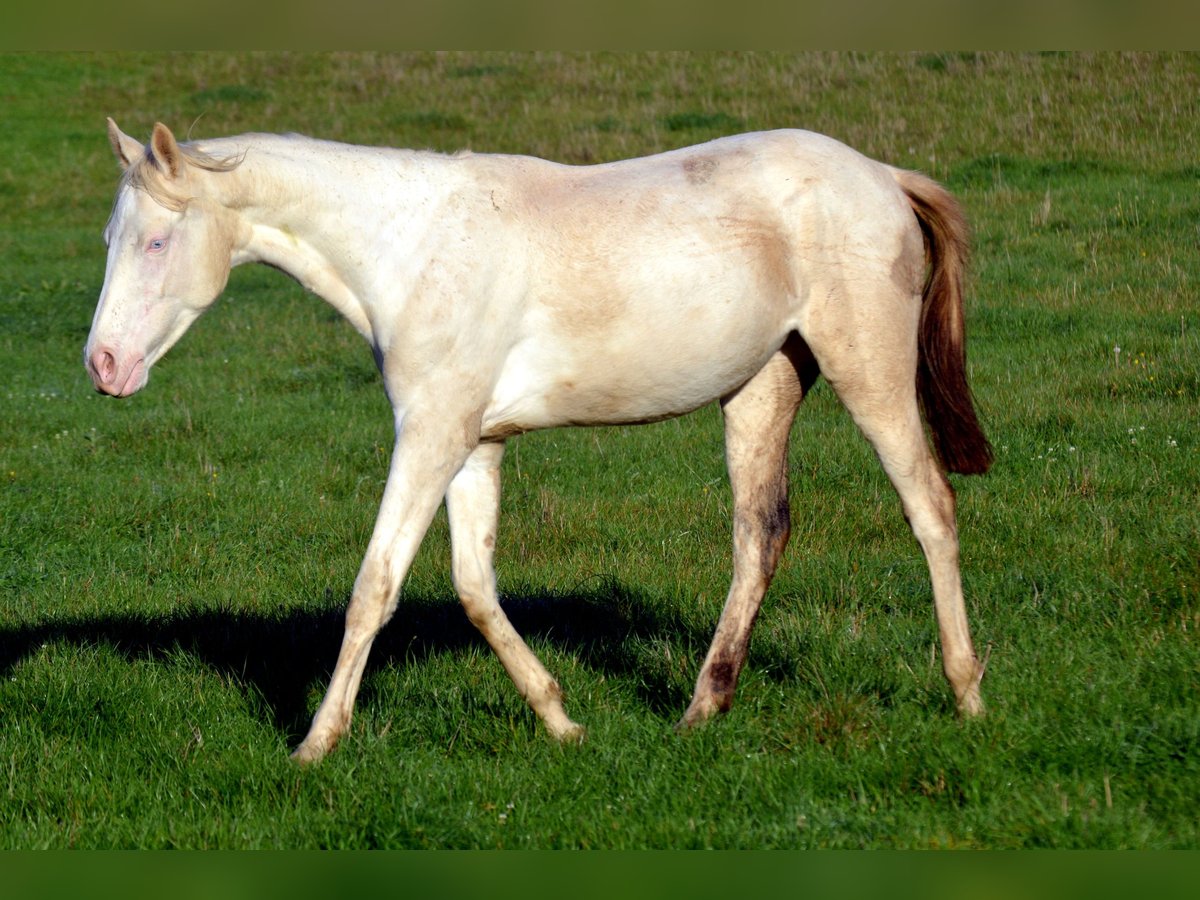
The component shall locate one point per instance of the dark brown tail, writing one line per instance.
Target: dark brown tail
(942, 386)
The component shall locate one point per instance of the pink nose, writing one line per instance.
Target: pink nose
(104, 367)
(112, 374)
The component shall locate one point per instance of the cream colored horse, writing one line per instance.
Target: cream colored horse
(502, 294)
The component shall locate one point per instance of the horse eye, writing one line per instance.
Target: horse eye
(155, 245)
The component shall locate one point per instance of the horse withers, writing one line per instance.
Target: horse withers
(502, 294)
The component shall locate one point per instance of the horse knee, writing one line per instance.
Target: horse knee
(376, 592)
(479, 612)
(476, 593)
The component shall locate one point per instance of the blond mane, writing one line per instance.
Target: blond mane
(147, 174)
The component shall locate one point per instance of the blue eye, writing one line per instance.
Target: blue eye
(157, 244)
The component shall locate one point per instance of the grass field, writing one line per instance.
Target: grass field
(173, 568)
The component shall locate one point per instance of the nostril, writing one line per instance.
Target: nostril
(105, 365)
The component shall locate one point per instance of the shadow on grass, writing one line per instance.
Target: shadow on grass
(281, 657)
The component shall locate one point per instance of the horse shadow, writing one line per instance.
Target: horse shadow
(279, 656)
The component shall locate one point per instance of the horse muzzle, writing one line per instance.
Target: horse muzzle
(113, 375)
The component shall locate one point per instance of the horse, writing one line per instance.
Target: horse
(502, 294)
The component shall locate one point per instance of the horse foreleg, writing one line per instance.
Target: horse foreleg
(758, 418)
(473, 502)
(428, 453)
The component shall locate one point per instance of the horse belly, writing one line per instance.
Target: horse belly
(666, 362)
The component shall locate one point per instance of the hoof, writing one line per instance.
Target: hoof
(573, 734)
(309, 752)
(970, 704)
(698, 712)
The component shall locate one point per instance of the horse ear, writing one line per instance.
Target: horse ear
(165, 149)
(126, 148)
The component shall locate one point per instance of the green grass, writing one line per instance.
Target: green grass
(173, 568)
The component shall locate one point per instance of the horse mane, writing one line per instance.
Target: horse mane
(147, 174)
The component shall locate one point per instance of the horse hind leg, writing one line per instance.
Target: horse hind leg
(758, 418)
(878, 389)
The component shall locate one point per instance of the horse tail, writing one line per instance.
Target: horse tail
(942, 388)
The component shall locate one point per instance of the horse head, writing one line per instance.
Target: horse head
(170, 248)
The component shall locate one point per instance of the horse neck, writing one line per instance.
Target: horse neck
(307, 205)
(287, 186)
